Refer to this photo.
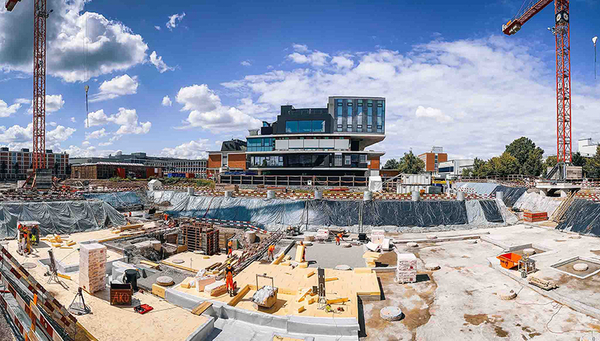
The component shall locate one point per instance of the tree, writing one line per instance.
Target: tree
(578, 160)
(504, 164)
(480, 168)
(550, 161)
(391, 164)
(529, 157)
(410, 164)
(592, 165)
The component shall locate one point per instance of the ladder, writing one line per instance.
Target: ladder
(560, 211)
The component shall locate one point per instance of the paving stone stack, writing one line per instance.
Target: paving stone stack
(92, 267)
(406, 268)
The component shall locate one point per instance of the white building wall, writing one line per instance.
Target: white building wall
(587, 147)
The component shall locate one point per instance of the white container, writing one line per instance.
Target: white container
(416, 196)
(270, 194)
(368, 196)
(190, 191)
(500, 195)
(318, 195)
(228, 194)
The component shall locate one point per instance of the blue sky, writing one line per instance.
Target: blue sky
(451, 78)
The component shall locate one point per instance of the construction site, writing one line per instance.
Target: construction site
(269, 255)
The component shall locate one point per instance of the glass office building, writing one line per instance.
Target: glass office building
(320, 141)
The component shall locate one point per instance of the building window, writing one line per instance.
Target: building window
(224, 160)
(347, 160)
(359, 118)
(380, 117)
(338, 161)
(370, 117)
(316, 126)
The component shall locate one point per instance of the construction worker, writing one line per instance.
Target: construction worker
(229, 248)
(229, 278)
(303, 251)
(271, 253)
(337, 239)
(166, 216)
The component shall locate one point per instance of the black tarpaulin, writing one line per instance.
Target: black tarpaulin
(583, 216)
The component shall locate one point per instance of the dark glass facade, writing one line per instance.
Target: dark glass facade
(306, 160)
(349, 115)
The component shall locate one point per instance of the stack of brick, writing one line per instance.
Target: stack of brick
(92, 267)
(406, 268)
(377, 236)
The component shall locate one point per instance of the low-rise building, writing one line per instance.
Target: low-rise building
(107, 170)
(231, 158)
(167, 164)
(14, 164)
(454, 167)
(433, 158)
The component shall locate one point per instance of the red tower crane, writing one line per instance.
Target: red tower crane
(40, 14)
(563, 67)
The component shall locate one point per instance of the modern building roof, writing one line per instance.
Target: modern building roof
(112, 164)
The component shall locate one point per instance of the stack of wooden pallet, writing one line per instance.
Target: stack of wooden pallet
(533, 217)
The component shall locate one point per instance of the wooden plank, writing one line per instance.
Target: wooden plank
(331, 279)
(179, 266)
(308, 275)
(338, 300)
(299, 251)
(302, 294)
(150, 264)
(301, 309)
(239, 296)
(63, 276)
(200, 308)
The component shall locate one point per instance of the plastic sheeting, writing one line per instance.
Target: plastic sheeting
(269, 213)
(510, 194)
(387, 213)
(118, 200)
(491, 211)
(583, 216)
(536, 202)
(276, 213)
(480, 188)
(59, 217)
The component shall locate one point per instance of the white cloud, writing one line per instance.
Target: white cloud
(87, 150)
(127, 119)
(434, 113)
(73, 119)
(246, 63)
(490, 90)
(97, 134)
(53, 124)
(54, 103)
(342, 62)
(303, 55)
(17, 137)
(6, 110)
(174, 19)
(166, 101)
(118, 86)
(110, 45)
(315, 58)
(207, 112)
(300, 48)
(85, 143)
(157, 28)
(190, 150)
(160, 65)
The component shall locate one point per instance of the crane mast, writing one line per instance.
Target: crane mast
(40, 14)
(563, 69)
